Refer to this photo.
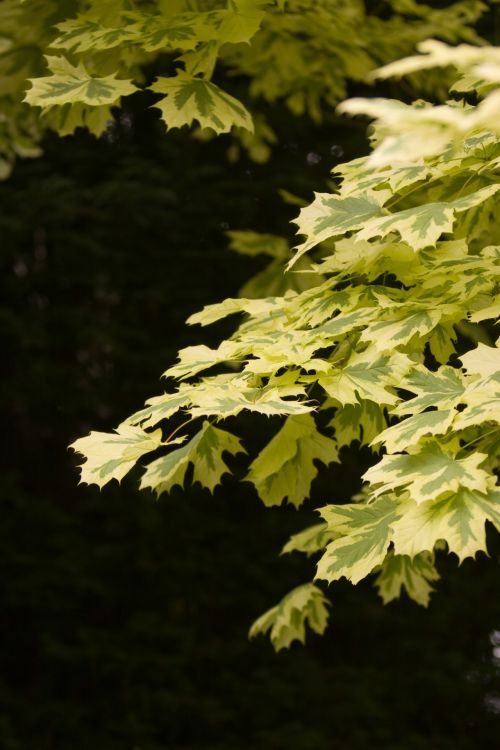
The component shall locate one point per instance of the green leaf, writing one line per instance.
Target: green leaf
(287, 621)
(189, 99)
(233, 25)
(70, 84)
(111, 456)
(415, 575)
(285, 467)
(204, 451)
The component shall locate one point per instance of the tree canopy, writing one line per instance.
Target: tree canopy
(383, 336)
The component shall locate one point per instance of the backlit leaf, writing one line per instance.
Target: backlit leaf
(459, 519)
(331, 215)
(70, 84)
(195, 99)
(429, 473)
(287, 621)
(204, 451)
(367, 533)
(112, 455)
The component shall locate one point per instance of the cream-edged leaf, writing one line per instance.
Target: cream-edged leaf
(367, 376)
(483, 360)
(204, 451)
(111, 455)
(459, 519)
(442, 389)
(423, 225)
(334, 215)
(400, 436)
(190, 99)
(429, 472)
(391, 331)
(69, 84)
(367, 530)
(212, 313)
(85, 33)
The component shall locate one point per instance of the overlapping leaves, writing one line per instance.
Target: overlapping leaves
(285, 50)
(408, 263)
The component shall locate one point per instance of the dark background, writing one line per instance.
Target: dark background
(124, 619)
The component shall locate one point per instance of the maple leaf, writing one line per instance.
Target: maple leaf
(434, 54)
(442, 389)
(482, 403)
(429, 472)
(255, 243)
(212, 313)
(362, 421)
(287, 620)
(366, 377)
(423, 225)
(309, 540)
(414, 574)
(331, 215)
(400, 328)
(459, 519)
(112, 455)
(400, 436)
(204, 451)
(85, 33)
(225, 396)
(69, 84)
(367, 533)
(189, 99)
(194, 359)
(483, 360)
(285, 467)
(180, 31)
(158, 408)
(185, 31)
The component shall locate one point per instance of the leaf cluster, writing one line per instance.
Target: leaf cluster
(75, 61)
(407, 255)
